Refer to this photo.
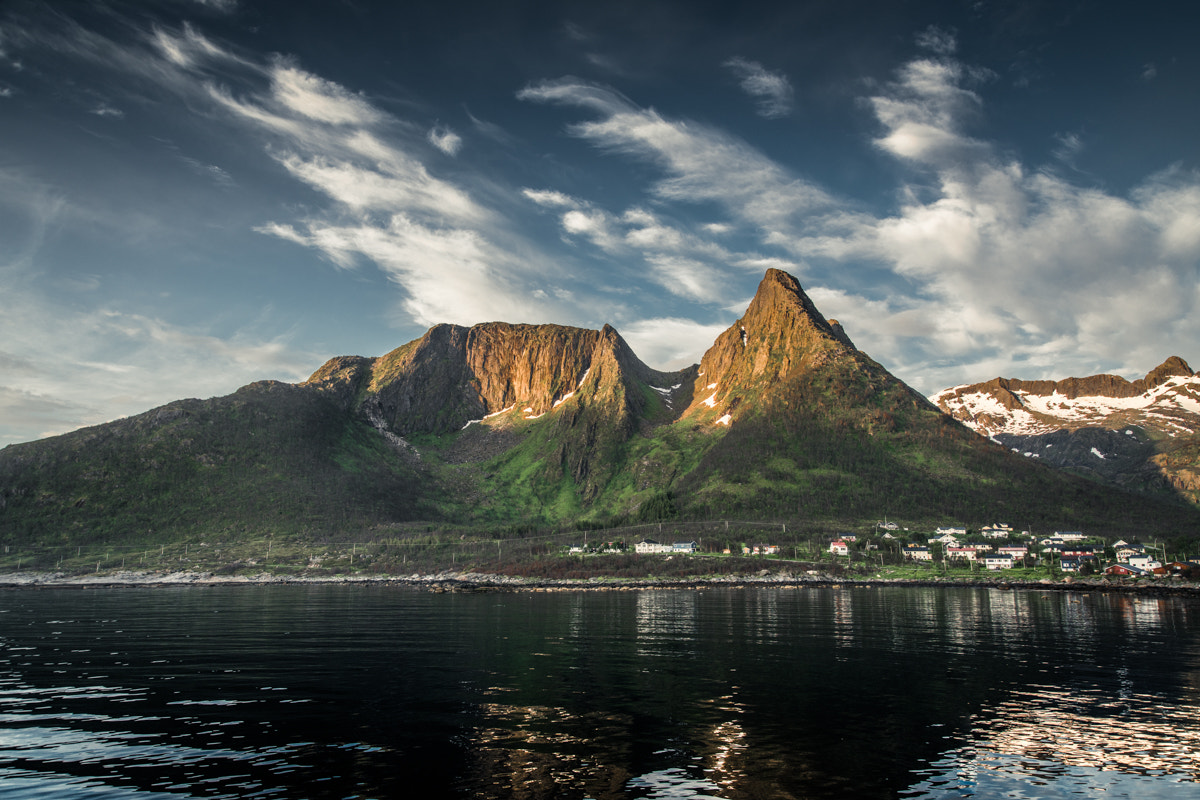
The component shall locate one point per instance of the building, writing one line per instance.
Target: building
(684, 547)
(917, 553)
(1126, 551)
(997, 562)
(651, 546)
(1144, 561)
(839, 547)
(1013, 550)
(1126, 571)
(967, 553)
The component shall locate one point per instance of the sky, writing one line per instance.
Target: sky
(198, 194)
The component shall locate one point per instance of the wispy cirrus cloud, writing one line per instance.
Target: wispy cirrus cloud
(772, 89)
(702, 163)
(451, 257)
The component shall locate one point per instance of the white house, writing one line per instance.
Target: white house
(651, 546)
(961, 552)
(997, 562)
(684, 547)
(839, 548)
(918, 553)
(1127, 551)
(1144, 561)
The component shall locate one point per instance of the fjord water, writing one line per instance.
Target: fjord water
(331, 691)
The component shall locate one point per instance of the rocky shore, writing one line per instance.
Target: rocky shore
(473, 582)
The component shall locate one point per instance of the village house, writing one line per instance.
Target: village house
(839, 547)
(1013, 550)
(1126, 571)
(685, 547)
(999, 530)
(951, 531)
(651, 546)
(918, 553)
(967, 553)
(1125, 551)
(1070, 536)
(760, 549)
(997, 562)
(1144, 561)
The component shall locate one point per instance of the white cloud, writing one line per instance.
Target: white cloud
(445, 140)
(548, 198)
(925, 112)
(318, 99)
(937, 40)
(670, 343)
(447, 275)
(773, 90)
(93, 366)
(1055, 275)
(702, 162)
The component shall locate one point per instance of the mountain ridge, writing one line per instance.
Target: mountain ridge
(503, 425)
(1142, 434)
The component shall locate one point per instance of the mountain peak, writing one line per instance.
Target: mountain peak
(1173, 367)
(781, 331)
(781, 335)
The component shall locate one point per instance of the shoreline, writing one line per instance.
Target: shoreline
(472, 582)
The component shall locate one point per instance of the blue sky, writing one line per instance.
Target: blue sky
(198, 194)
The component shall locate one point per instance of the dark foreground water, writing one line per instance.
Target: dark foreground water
(375, 691)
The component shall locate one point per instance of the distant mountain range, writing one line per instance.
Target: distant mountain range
(514, 427)
(1142, 434)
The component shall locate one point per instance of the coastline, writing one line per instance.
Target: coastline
(473, 582)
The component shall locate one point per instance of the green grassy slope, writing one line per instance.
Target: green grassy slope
(270, 459)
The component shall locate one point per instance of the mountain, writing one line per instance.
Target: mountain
(511, 427)
(1142, 434)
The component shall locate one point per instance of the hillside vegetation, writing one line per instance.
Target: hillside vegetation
(500, 431)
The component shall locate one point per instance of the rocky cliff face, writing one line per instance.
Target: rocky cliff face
(781, 336)
(1137, 434)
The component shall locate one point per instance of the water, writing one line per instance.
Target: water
(377, 691)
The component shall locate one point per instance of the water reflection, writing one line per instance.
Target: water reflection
(534, 752)
(1133, 733)
(817, 693)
